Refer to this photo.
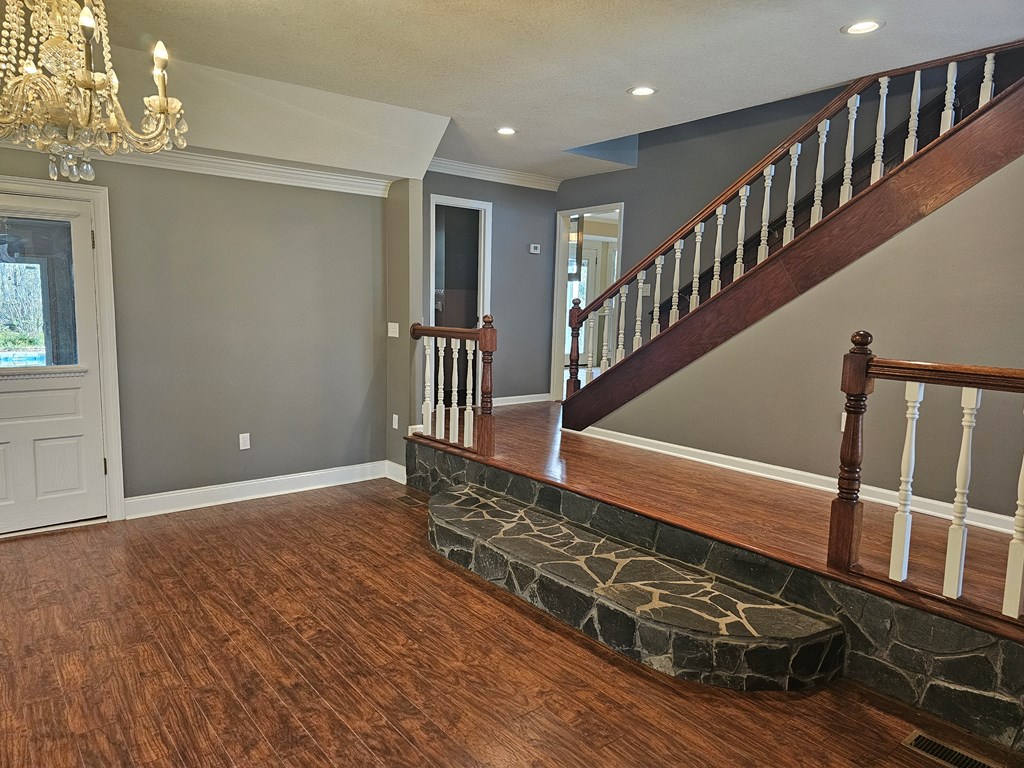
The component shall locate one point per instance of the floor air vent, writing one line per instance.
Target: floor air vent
(943, 753)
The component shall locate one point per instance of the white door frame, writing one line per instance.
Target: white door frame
(484, 274)
(110, 402)
(561, 310)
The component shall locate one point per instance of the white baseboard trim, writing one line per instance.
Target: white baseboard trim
(976, 517)
(394, 471)
(542, 397)
(194, 498)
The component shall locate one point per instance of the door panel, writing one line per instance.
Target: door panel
(51, 441)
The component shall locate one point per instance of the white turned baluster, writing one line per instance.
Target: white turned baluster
(878, 166)
(1013, 594)
(638, 338)
(794, 158)
(766, 212)
(467, 421)
(606, 313)
(716, 276)
(947, 112)
(453, 410)
(915, 107)
(901, 523)
(819, 173)
(656, 316)
(698, 235)
(673, 314)
(442, 344)
(988, 85)
(956, 546)
(591, 330)
(620, 348)
(741, 234)
(428, 385)
(846, 192)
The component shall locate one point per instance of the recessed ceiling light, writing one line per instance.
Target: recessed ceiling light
(641, 90)
(862, 27)
(506, 131)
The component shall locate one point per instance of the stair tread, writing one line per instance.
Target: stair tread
(650, 586)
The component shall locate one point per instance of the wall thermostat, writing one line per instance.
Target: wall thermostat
(534, 247)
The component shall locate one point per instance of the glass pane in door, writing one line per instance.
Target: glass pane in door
(37, 294)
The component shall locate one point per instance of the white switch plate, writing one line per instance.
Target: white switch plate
(243, 441)
(842, 422)
(534, 248)
(394, 421)
(647, 290)
(393, 330)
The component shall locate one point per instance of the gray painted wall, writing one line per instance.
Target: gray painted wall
(241, 307)
(680, 169)
(404, 246)
(947, 290)
(521, 283)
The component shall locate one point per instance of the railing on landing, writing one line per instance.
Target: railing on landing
(629, 298)
(860, 370)
(454, 411)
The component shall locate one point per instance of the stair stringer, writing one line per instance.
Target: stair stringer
(980, 145)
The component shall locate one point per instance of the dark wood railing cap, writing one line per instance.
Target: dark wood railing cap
(861, 340)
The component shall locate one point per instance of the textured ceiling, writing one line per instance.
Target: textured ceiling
(558, 70)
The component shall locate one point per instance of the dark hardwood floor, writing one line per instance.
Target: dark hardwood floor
(320, 629)
(780, 520)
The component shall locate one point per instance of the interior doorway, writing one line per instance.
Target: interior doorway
(57, 362)
(460, 280)
(587, 262)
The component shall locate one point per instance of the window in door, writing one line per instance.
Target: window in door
(37, 294)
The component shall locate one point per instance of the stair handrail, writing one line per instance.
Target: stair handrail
(470, 425)
(800, 134)
(860, 370)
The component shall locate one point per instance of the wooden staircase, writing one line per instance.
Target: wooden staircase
(974, 137)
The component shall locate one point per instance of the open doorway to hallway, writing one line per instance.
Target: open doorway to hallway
(587, 262)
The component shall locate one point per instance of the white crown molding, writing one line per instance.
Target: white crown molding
(976, 517)
(250, 170)
(499, 175)
(212, 495)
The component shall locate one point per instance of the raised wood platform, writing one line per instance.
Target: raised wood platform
(778, 520)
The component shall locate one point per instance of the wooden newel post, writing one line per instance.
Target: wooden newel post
(488, 346)
(575, 322)
(483, 437)
(847, 509)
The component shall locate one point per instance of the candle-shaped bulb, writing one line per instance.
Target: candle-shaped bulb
(160, 56)
(87, 23)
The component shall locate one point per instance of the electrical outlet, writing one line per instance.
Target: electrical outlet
(647, 290)
(394, 421)
(393, 331)
(243, 442)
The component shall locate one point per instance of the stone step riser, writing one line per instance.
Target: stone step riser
(772, 646)
(968, 677)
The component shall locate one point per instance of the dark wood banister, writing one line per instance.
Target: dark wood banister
(860, 369)
(800, 134)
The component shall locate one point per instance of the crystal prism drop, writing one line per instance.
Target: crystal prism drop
(88, 173)
(53, 170)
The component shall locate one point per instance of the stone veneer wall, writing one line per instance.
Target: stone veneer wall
(969, 677)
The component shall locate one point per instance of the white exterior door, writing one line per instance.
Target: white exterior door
(51, 425)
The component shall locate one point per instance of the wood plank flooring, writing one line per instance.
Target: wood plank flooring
(320, 629)
(779, 520)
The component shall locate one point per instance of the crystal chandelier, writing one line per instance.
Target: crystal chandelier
(55, 98)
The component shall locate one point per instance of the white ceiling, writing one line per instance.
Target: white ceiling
(558, 70)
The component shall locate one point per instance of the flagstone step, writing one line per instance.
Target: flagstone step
(679, 619)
